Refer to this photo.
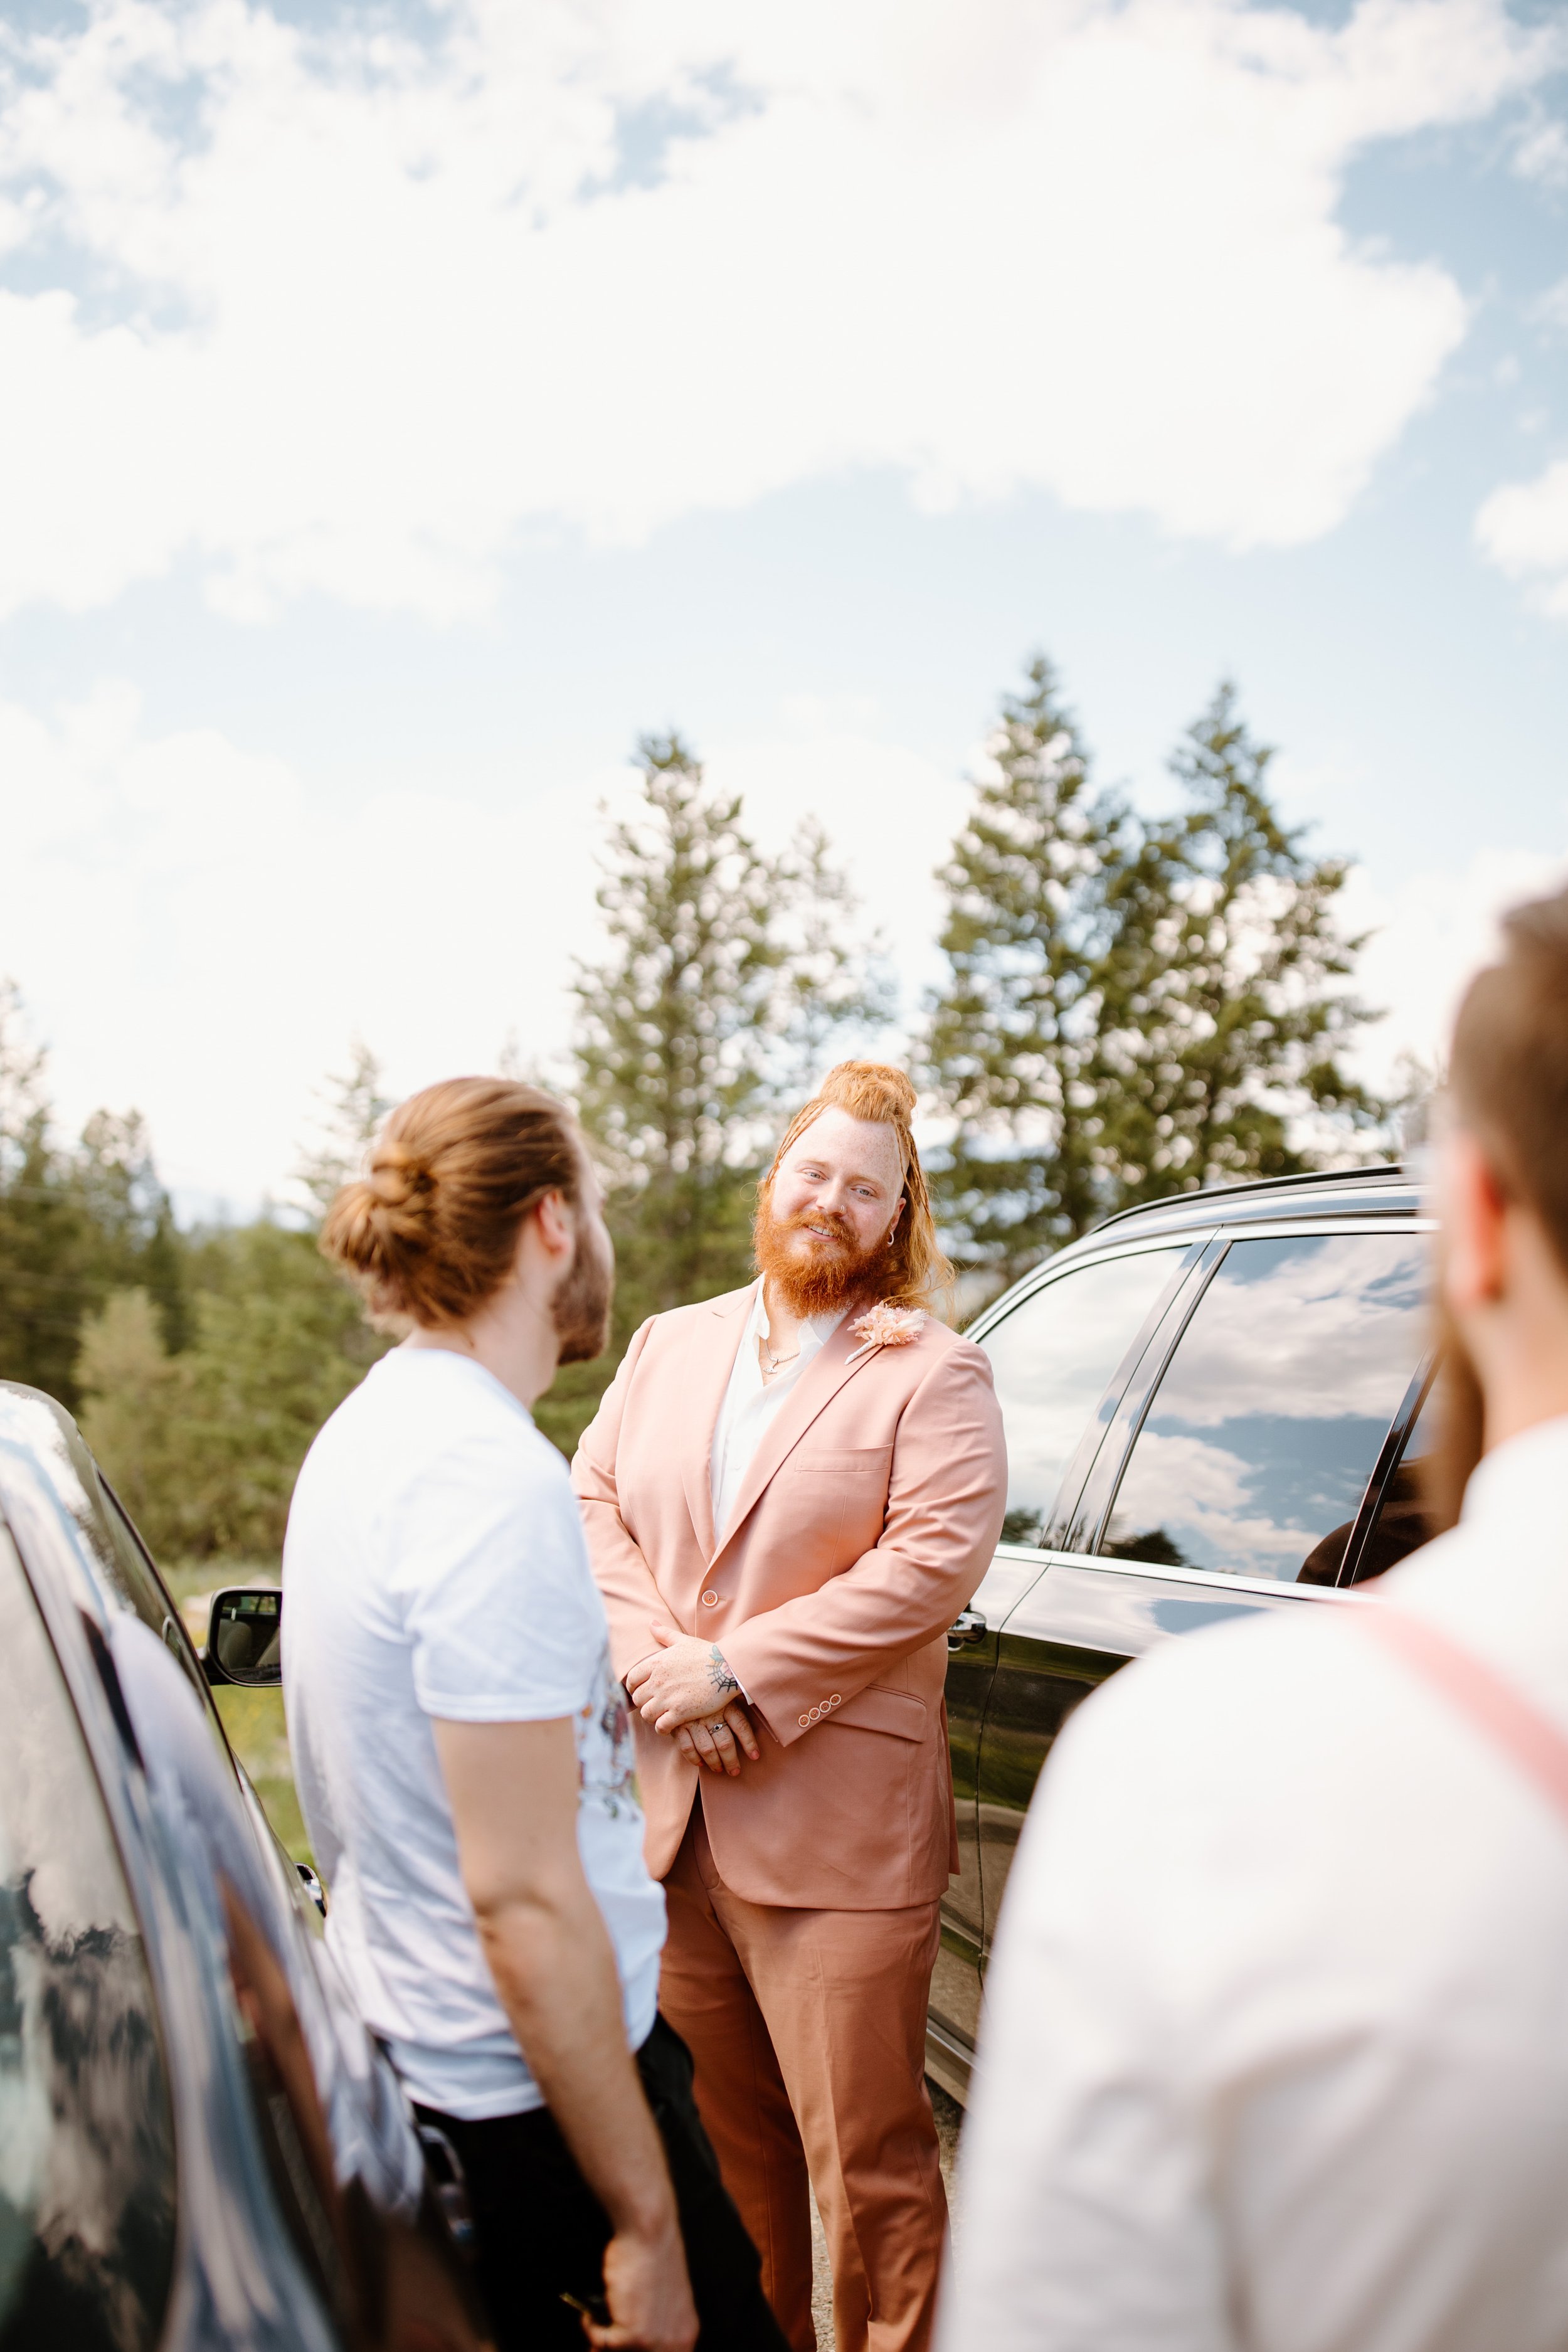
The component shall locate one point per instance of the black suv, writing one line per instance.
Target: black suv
(1212, 1405)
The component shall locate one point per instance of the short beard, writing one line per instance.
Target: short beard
(1446, 1470)
(580, 1310)
(822, 1277)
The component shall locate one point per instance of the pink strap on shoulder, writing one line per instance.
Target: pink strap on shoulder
(1492, 1703)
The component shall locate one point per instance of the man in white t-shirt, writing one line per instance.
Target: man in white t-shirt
(463, 1753)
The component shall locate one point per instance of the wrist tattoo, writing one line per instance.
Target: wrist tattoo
(723, 1681)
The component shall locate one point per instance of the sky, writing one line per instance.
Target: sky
(404, 408)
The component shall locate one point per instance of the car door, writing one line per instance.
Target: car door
(88, 2190)
(1234, 1470)
(1053, 1347)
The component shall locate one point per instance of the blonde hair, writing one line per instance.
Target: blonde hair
(430, 1233)
(918, 1271)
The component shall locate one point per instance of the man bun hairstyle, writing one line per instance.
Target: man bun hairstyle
(919, 1274)
(429, 1232)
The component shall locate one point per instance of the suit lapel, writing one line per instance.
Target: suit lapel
(710, 1361)
(818, 1386)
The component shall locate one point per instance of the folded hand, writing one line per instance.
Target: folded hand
(685, 1690)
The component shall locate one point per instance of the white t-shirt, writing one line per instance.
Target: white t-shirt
(434, 1566)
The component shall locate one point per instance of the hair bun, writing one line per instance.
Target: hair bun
(858, 1086)
(397, 1175)
(358, 1215)
(431, 1230)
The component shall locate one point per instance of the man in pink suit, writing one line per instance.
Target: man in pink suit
(789, 1492)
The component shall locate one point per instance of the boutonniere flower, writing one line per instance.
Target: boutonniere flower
(886, 1327)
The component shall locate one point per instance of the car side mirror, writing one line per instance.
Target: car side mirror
(244, 1643)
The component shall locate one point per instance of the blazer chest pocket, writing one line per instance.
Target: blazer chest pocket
(851, 1461)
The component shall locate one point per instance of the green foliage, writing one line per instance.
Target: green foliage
(77, 1223)
(1031, 928)
(254, 1719)
(204, 1446)
(1134, 1007)
(1229, 1063)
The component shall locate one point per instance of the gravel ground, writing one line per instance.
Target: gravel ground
(949, 2117)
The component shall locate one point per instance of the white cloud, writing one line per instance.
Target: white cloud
(1541, 153)
(382, 308)
(1550, 310)
(1523, 530)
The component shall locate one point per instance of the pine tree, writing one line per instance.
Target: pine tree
(76, 1223)
(1134, 1008)
(674, 1028)
(726, 986)
(726, 980)
(41, 1229)
(350, 1108)
(1233, 1066)
(204, 1446)
(1031, 930)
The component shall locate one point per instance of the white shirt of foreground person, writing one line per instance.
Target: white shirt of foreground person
(435, 1566)
(1275, 2052)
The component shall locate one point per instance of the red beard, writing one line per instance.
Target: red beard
(815, 1276)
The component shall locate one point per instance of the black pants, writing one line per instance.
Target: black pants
(538, 2226)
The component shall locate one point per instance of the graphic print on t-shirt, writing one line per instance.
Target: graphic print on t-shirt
(604, 1729)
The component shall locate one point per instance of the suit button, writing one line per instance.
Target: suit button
(711, 1601)
(803, 1721)
(836, 1700)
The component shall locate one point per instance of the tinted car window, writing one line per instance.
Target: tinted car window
(1258, 1444)
(1052, 1357)
(87, 2166)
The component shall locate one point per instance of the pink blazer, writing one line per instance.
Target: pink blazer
(869, 1516)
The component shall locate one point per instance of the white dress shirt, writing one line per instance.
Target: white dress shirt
(1275, 2052)
(749, 1407)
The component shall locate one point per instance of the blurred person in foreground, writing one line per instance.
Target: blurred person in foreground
(789, 1492)
(463, 1753)
(1276, 2044)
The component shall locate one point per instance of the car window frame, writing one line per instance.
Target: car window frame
(1185, 1249)
(1145, 1385)
(1390, 1457)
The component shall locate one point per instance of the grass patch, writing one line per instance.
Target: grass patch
(259, 1737)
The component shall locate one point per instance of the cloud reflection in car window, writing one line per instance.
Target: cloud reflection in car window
(1052, 1357)
(1262, 1435)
